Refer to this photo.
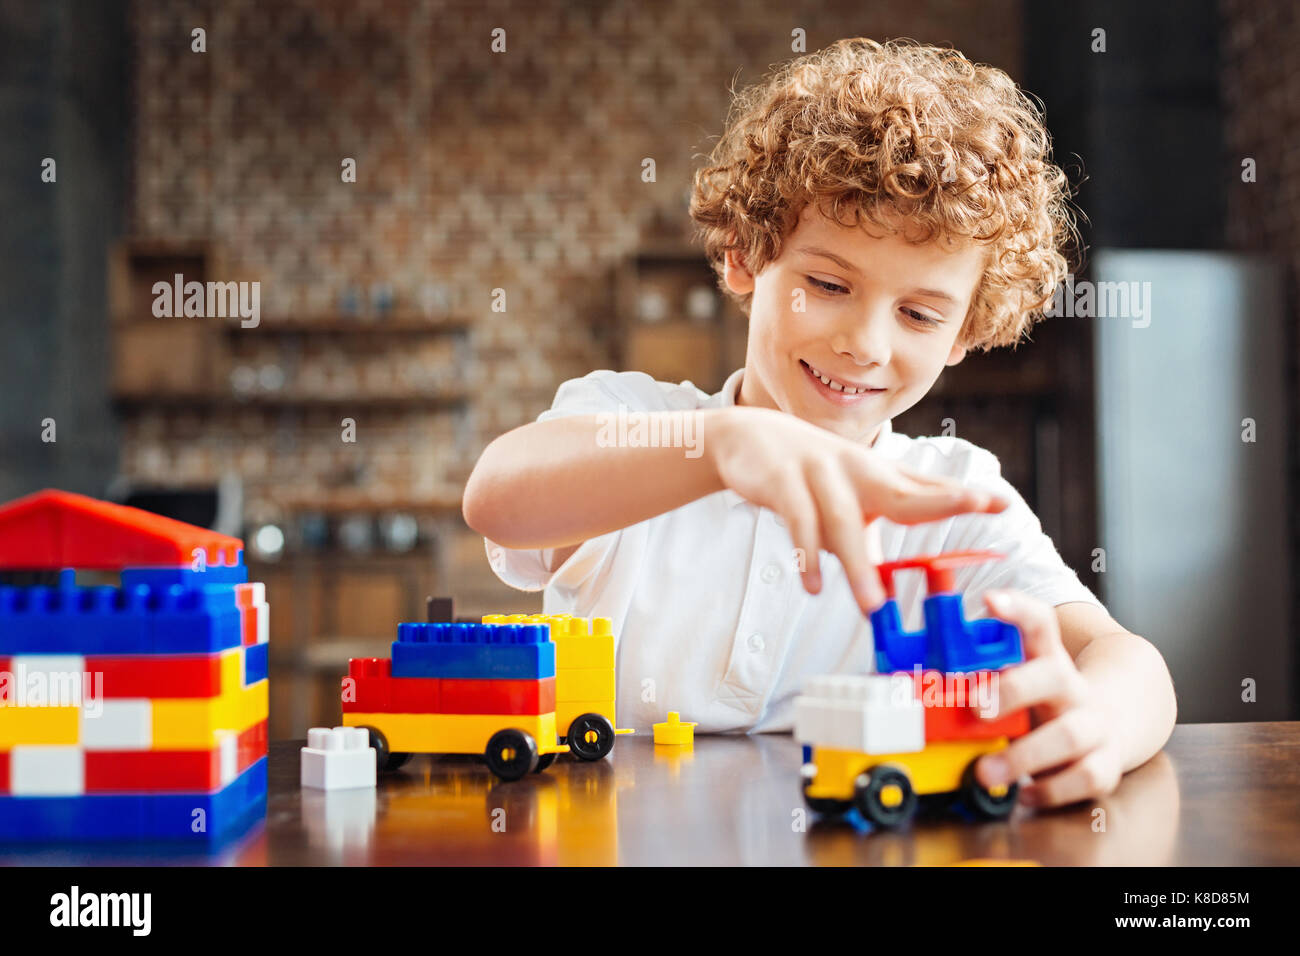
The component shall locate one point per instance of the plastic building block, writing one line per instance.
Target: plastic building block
(584, 684)
(111, 621)
(338, 759)
(52, 530)
(948, 642)
(870, 714)
(674, 732)
(473, 651)
(948, 708)
(500, 696)
(198, 817)
(439, 610)
(175, 675)
(135, 712)
(455, 733)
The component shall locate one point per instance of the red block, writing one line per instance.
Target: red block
(952, 705)
(147, 675)
(164, 771)
(373, 691)
(51, 530)
(4, 771)
(8, 684)
(463, 696)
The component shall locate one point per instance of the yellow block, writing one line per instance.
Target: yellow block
(937, 769)
(196, 723)
(579, 642)
(584, 684)
(454, 733)
(674, 732)
(20, 726)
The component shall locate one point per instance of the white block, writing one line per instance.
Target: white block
(47, 680)
(124, 724)
(872, 714)
(263, 622)
(47, 771)
(228, 756)
(338, 759)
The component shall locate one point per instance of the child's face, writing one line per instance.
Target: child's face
(886, 319)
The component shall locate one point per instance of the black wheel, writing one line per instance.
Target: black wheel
(591, 737)
(511, 754)
(986, 804)
(828, 806)
(884, 796)
(385, 760)
(544, 761)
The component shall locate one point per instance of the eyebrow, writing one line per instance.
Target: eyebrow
(850, 267)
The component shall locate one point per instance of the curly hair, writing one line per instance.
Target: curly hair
(877, 131)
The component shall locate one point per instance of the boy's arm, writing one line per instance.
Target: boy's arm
(556, 483)
(1128, 673)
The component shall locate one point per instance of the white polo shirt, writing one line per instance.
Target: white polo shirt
(709, 614)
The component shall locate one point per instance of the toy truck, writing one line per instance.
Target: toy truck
(459, 689)
(880, 742)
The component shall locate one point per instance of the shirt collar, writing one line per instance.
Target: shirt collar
(727, 397)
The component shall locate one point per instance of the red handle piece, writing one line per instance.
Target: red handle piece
(939, 568)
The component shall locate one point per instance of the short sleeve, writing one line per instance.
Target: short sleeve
(1031, 561)
(598, 392)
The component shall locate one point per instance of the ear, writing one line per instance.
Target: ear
(957, 354)
(738, 278)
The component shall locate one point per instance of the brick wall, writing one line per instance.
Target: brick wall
(477, 170)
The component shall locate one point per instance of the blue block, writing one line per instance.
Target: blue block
(112, 816)
(106, 620)
(948, 643)
(474, 651)
(256, 663)
(222, 575)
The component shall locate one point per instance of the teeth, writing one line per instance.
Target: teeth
(834, 385)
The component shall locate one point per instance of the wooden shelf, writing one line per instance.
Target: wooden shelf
(444, 399)
(353, 325)
(350, 502)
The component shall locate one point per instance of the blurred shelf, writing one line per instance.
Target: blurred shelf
(202, 401)
(336, 502)
(354, 325)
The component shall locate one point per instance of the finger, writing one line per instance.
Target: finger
(1036, 620)
(929, 482)
(801, 520)
(1046, 680)
(1063, 740)
(906, 502)
(1097, 774)
(844, 535)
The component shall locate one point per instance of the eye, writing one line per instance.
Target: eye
(921, 319)
(830, 287)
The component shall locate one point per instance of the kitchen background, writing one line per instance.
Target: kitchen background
(484, 174)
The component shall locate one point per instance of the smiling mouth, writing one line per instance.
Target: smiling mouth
(837, 386)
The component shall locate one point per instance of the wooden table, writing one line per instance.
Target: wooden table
(1220, 794)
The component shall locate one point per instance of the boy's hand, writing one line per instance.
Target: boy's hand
(1072, 750)
(828, 489)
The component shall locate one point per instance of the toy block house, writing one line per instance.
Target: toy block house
(135, 712)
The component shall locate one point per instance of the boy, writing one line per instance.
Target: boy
(876, 210)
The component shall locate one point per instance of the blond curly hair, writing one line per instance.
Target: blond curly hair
(874, 131)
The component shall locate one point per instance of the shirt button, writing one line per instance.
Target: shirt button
(770, 573)
(756, 642)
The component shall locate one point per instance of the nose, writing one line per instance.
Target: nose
(864, 338)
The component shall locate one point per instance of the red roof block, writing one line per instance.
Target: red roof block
(51, 529)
